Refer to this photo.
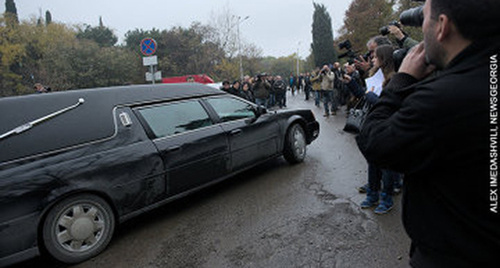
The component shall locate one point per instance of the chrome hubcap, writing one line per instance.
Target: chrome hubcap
(299, 143)
(80, 227)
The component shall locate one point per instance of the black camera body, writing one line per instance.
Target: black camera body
(345, 44)
(385, 30)
(352, 55)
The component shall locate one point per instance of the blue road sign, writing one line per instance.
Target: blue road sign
(148, 46)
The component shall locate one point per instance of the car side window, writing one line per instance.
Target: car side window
(230, 109)
(175, 118)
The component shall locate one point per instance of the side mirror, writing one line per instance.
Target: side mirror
(258, 111)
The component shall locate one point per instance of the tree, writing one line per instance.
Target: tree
(48, 18)
(11, 12)
(31, 53)
(101, 35)
(133, 38)
(12, 51)
(363, 20)
(322, 45)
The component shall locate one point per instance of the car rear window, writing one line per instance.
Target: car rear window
(175, 118)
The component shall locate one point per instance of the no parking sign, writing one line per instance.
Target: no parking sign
(148, 46)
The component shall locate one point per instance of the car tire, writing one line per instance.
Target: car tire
(78, 228)
(295, 144)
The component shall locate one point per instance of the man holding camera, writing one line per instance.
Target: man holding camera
(436, 130)
(327, 77)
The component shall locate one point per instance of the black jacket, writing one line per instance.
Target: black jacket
(437, 132)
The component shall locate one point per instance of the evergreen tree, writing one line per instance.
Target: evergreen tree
(48, 18)
(11, 12)
(322, 45)
(101, 35)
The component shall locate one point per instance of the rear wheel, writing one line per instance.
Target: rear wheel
(78, 228)
(295, 144)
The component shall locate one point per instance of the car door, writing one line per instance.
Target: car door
(251, 139)
(194, 150)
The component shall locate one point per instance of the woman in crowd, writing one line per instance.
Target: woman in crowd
(380, 179)
(246, 93)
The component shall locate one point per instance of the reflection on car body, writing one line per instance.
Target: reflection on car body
(67, 182)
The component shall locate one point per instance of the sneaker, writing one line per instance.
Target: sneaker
(383, 208)
(386, 204)
(397, 190)
(326, 115)
(367, 203)
(371, 200)
(363, 189)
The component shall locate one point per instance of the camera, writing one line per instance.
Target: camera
(398, 56)
(350, 54)
(385, 30)
(412, 17)
(345, 44)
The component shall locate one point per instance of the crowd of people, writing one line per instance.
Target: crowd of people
(331, 85)
(431, 122)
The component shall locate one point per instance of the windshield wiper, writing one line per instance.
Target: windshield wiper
(29, 125)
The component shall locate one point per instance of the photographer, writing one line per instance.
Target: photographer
(364, 65)
(404, 41)
(402, 38)
(436, 131)
(327, 78)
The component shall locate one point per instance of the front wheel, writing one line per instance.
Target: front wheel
(78, 228)
(295, 144)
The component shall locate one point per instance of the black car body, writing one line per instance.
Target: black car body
(74, 163)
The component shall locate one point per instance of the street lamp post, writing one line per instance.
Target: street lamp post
(298, 59)
(239, 45)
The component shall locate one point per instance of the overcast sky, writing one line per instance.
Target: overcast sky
(276, 26)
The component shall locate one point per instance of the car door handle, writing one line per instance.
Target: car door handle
(174, 148)
(235, 132)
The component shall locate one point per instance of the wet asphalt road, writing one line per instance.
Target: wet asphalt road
(274, 215)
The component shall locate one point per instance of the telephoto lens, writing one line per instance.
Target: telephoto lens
(412, 17)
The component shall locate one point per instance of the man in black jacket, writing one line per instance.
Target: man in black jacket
(440, 131)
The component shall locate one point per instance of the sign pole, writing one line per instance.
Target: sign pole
(151, 68)
(148, 48)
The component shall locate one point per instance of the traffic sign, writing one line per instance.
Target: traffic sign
(151, 60)
(148, 46)
(156, 76)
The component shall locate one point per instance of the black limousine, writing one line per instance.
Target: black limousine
(74, 164)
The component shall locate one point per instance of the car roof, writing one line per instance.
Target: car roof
(91, 120)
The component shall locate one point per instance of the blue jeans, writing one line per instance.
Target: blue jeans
(261, 102)
(271, 100)
(381, 179)
(317, 97)
(328, 101)
(281, 99)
